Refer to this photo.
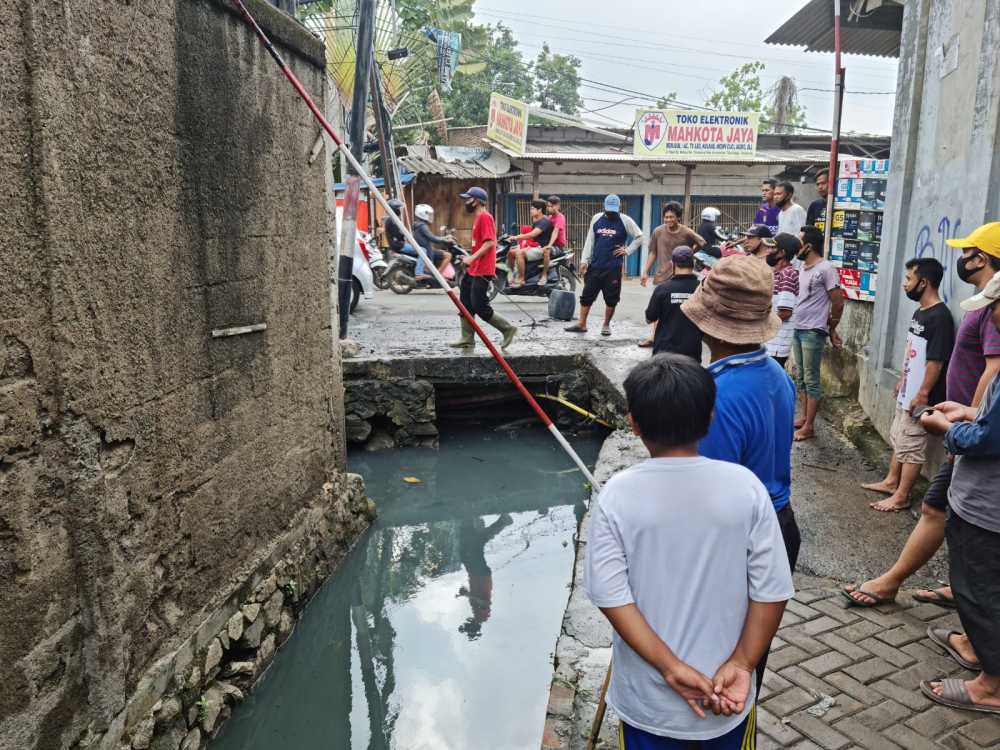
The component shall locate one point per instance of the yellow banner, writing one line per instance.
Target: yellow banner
(508, 124)
(691, 135)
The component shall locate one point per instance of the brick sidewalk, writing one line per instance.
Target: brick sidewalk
(870, 662)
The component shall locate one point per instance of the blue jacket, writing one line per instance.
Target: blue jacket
(982, 437)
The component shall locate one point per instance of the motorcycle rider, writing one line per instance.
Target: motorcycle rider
(709, 226)
(393, 234)
(423, 215)
(543, 232)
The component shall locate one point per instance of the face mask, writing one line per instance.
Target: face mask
(916, 293)
(470, 207)
(773, 259)
(962, 267)
(803, 253)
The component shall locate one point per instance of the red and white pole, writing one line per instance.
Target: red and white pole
(838, 103)
(384, 203)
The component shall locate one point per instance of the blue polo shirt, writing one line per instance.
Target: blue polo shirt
(754, 420)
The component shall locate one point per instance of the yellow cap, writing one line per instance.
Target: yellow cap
(986, 238)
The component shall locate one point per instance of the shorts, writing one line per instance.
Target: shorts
(606, 281)
(743, 737)
(937, 493)
(908, 438)
(974, 554)
(532, 254)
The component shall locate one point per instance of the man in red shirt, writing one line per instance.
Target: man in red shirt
(481, 266)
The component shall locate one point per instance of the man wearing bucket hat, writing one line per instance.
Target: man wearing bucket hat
(972, 435)
(754, 415)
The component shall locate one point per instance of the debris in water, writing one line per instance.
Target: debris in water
(517, 424)
(412, 480)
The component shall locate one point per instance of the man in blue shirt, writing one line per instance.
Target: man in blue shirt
(612, 236)
(754, 416)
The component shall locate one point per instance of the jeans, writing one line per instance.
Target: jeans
(807, 347)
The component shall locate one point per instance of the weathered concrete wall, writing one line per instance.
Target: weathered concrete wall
(154, 186)
(945, 177)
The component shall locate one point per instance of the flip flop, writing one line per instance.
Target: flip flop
(876, 599)
(936, 598)
(942, 637)
(575, 328)
(955, 695)
(605, 331)
(646, 344)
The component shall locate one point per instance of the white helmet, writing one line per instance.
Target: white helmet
(424, 212)
(711, 214)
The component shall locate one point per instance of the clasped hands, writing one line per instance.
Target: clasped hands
(724, 695)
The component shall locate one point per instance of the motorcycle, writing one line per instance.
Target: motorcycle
(362, 276)
(561, 273)
(401, 278)
(375, 260)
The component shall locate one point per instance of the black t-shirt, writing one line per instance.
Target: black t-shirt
(936, 326)
(393, 234)
(816, 213)
(548, 229)
(675, 333)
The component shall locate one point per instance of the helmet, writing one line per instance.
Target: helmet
(711, 214)
(424, 212)
(396, 205)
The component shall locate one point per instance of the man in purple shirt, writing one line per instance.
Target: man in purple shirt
(817, 313)
(768, 212)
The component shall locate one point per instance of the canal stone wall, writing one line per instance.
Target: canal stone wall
(156, 187)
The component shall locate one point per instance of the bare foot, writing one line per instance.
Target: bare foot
(804, 433)
(884, 486)
(979, 693)
(875, 586)
(892, 504)
(799, 421)
(963, 646)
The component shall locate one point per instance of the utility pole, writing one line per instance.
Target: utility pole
(352, 194)
(387, 150)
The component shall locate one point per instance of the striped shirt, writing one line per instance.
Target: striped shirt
(977, 339)
(786, 294)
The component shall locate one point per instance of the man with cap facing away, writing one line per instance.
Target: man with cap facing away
(674, 331)
(481, 266)
(754, 415)
(779, 256)
(604, 253)
(757, 240)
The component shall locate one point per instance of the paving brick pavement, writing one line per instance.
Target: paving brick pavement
(870, 662)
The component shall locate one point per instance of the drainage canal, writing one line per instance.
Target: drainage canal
(438, 630)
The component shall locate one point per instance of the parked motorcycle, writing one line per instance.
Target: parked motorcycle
(375, 260)
(561, 273)
(362, 277)
(401, 274)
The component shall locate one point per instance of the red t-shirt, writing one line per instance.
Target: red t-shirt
(484, 229)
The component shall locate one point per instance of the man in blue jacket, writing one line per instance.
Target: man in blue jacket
(612, 236)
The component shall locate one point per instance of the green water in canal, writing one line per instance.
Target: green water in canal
(437, 632)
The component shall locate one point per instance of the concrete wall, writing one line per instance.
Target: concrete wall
(945, 177)
(155, 186)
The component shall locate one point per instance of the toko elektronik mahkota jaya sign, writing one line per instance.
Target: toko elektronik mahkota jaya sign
(688, 135)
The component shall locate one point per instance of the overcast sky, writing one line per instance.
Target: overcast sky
(655, 47)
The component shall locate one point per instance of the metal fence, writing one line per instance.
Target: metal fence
(737, 213)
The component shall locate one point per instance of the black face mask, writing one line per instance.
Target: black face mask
(470, 207)
(916, 293)
(773, 259)
(964, 273)
(803, 253)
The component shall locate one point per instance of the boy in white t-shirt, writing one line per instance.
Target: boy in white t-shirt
(685, 559)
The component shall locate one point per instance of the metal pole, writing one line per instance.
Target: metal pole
(359, 103)
(390, 170)
(688, 171)
(835, 138)
(384, 203)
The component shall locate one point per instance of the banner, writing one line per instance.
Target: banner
(508, 124)
(683, 134)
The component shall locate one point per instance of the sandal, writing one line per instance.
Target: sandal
(576, 328)
(955, 695)
(876, 600)
(645, 344)
(942, 637)
(606, 331)
(935, 597)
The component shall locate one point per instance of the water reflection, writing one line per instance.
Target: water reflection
(437, 632)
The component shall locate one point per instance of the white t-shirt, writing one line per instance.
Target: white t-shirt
(689, 541)
(791, 219)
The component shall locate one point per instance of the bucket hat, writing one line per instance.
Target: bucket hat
(733, 303)
(989, 295)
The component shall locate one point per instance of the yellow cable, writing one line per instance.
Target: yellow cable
(582, 412)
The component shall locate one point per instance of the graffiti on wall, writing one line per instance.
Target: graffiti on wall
(931, 245)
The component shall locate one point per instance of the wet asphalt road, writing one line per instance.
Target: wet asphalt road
(842, 538)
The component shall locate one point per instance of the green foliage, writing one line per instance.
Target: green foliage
(557, 82)
(504, 72)
(666, 101)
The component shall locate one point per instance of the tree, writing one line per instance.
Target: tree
(741, 91)
(503, 71)
(666, 101)
(557, 82)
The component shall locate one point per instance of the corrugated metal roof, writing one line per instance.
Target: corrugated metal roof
(460, 163)
(598, 152)
(877, 33)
